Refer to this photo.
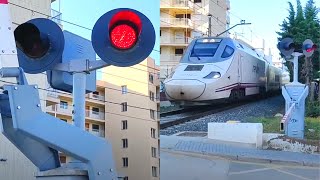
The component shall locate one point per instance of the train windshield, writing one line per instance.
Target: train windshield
(203, 51)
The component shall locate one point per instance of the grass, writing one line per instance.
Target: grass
(272, 125)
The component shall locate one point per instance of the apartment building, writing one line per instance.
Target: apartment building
(13, 164)
(132, 118)
(183, 20)
(124, 110)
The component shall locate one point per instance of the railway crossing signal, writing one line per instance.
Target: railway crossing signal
(308, 47)
(287, 47)
(121, 37)
(295, 93)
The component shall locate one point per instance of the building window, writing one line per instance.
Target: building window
(124, 124)
(124, 89)
(160, 32)
(124, 143)
(151, 95)
(154, 171)
(125, 162)
(183, 16)
(153, 133)
(95, 110)
(124, 106)
(95, 127)
(150, 78)
(63, 159)
(126, 178)
(178, 51)
(152, 114)
(154, 152)
(63, 105)
(87, 127)
(197, 1)
(96, 93)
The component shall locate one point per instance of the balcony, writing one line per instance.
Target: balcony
(95, 115)
(177, 5)
(165, 59)
(96, 97)
(99, 133)
(52, 98)
(177, 41)
(176, 23)
(57, 109)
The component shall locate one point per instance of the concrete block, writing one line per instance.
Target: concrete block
(250, 133)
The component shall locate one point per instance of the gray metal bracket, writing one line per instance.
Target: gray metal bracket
(45, 129)
(81, 65)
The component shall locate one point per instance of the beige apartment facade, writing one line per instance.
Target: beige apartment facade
(183, 20)
(132, 123)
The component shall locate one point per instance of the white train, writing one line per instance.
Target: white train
(215, 69)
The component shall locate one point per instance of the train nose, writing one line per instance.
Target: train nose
(184, 89)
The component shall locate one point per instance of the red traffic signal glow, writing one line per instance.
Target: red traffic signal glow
(314, 47)
(123, 36)
(125, 27)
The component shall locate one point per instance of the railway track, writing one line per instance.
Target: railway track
(169, 119)
(173, 118)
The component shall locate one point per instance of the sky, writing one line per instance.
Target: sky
(87, 12)
(265, 16)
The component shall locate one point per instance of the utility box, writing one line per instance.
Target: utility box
(76, 48)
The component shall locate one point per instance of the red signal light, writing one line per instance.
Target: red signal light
(125, 27)
(123, 36)
(314, 47)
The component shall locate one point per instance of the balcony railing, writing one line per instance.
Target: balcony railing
(97, 97)
(176, 22)
(177, 3)
(176, 41)
(56, 16)
(95, 115)
(59, 109)
(100, 133)
(173, 58)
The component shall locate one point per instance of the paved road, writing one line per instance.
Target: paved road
(188, 166)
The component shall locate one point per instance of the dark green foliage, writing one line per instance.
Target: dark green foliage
(313, 109)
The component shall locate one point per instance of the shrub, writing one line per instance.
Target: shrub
(313, 109)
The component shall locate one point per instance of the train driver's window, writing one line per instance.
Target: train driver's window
(228, 51)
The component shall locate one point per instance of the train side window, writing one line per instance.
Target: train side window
(228, 51)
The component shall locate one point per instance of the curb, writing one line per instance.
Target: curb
(247, 158)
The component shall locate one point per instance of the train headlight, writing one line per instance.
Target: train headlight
(213, 75)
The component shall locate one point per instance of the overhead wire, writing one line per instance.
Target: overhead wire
(110, 102)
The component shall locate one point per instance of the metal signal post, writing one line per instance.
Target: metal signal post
(295, 93)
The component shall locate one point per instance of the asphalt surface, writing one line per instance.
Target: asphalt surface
(187, 166)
